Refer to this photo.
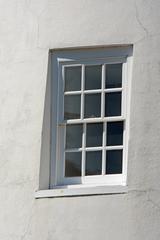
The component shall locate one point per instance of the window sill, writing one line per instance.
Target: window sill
(79, 190)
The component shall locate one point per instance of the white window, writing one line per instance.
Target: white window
(90, 101)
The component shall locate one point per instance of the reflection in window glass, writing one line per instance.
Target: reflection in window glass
(113, 104)
(73, 78)
(114, 133)
(113, 75)
(94, 134)
(93, 77)
(73, 164)
(93, 163)
(92, 105)
(72, 105)
(114, 162)
(74, 136)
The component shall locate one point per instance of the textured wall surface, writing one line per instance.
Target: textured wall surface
(28, 29)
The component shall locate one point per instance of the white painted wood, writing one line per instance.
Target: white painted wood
(82, 91)
(83, 149)
(78, 190)
(95, 148)
(104, 149)
(93, 120)
(59, 160)
(93, 91)
(92, 61)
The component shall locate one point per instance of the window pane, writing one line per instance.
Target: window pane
(113, 75)
(72, 78)
(93, 163)
(113, 104)
(93, 77)
(92, 105)
(114, 162)
(74, 136)
(72, 106)
(94, 134)
(115, 133)
(73, 164)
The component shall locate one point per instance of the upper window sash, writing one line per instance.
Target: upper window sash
(103, 90)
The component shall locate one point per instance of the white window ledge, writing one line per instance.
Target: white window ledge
(63, 191)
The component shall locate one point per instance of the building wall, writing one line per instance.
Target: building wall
(28, 29)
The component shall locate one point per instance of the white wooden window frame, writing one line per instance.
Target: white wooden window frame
(61, 59)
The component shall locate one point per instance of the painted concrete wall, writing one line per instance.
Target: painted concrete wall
(28, 29)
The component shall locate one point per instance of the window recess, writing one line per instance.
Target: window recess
(91, 127)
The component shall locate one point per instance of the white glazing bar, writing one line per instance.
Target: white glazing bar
(94, 148)
(103, 94)
(104, 150)
(124, 76)
(83, 149)
(72, 92)
(93, 91)
(118, 147)
(64, 153)
(125, 149)
(82, 91)
(93, 120)
(74, 150)
(108, 90)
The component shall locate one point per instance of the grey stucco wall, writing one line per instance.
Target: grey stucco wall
(28, 29)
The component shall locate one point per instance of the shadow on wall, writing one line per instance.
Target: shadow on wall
(44, 172)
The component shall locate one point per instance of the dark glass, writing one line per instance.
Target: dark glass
(113, 104)
(73, 78)
(94, 134)
(74, 136)
(114, 162)
(93, 77)
(92, 105)
(93, 163)
(73, 164)
(113, 75)
(114, 133)
(72, 106)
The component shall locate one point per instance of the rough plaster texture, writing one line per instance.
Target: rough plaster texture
(28, 29)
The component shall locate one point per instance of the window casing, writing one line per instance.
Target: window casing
(90, 117)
